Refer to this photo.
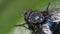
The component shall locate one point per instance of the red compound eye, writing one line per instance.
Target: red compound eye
(26, 15)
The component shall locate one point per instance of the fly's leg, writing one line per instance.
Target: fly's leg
(48, 6)
(22, 25)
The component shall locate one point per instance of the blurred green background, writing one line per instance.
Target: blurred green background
(11, 11)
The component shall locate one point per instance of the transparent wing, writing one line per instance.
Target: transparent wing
(21, 30)
(56, 14)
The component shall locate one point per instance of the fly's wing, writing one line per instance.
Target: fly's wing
(55, 14)
(21, 30)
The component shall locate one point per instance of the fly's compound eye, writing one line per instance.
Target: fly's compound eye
(26, 15)
(36, 17)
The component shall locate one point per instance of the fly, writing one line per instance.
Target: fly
(39, 22)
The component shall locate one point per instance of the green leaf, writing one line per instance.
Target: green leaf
(11, 12)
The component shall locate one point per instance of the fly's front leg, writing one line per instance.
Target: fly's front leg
(23, 25)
